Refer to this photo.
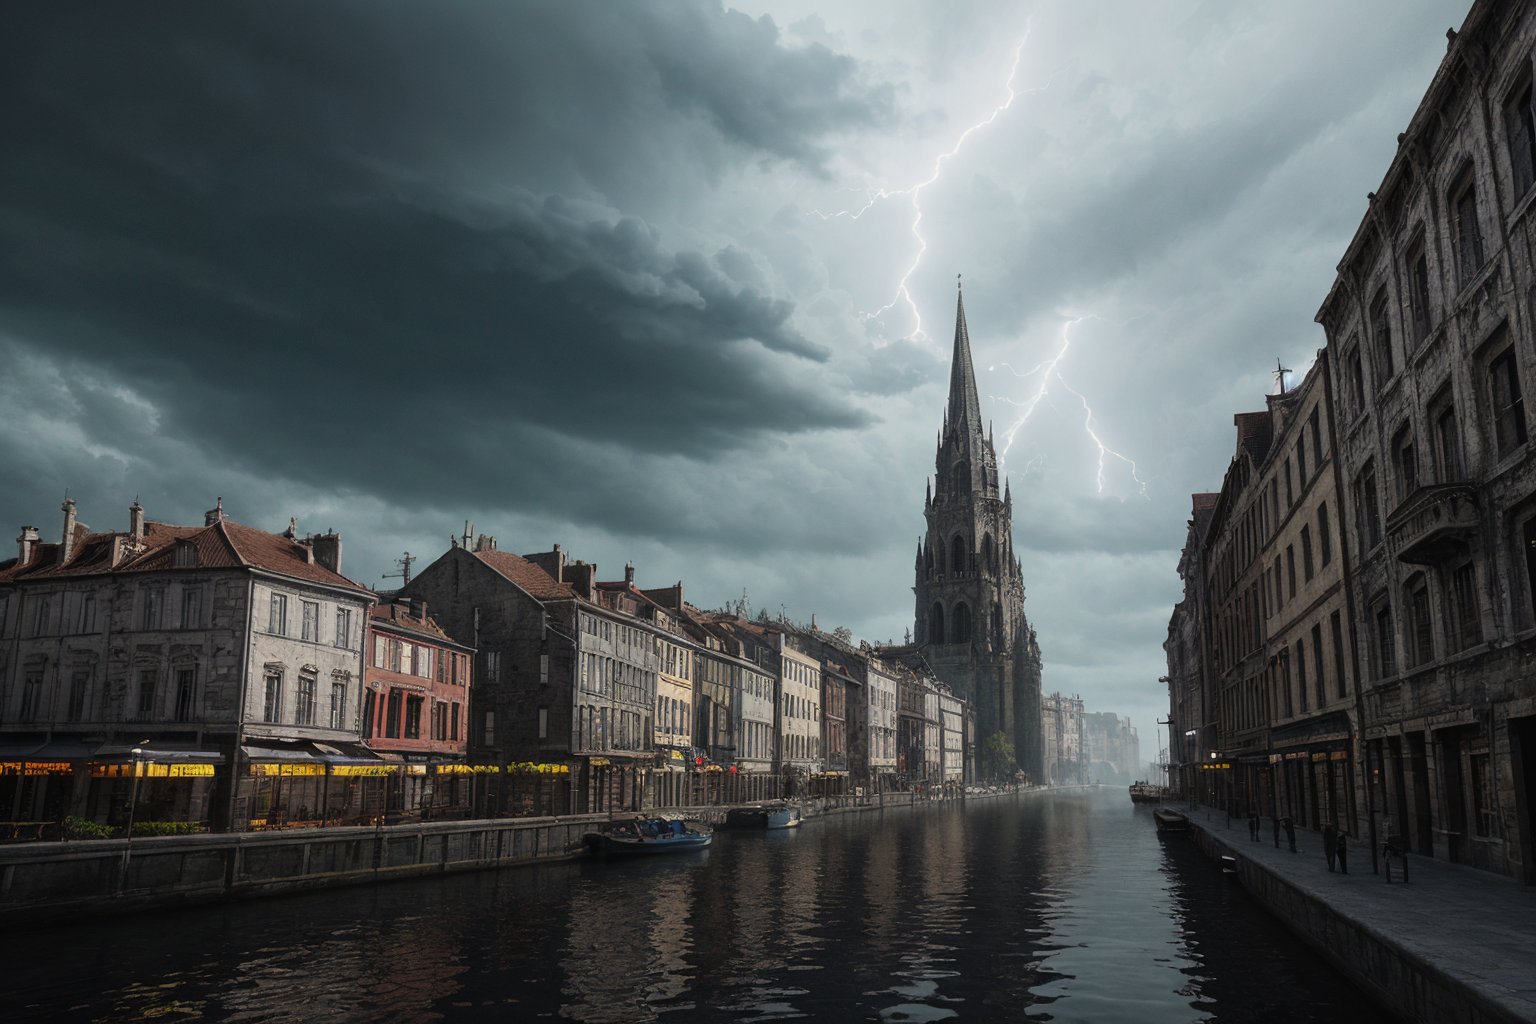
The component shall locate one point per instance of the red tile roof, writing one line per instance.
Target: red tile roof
(525, 574)
(223, 545)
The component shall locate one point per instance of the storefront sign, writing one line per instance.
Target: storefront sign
(466, 769)
(535, 768)
(1215, 766)
(152, 771)
(35, 768)
(368, 771)
(286, 770)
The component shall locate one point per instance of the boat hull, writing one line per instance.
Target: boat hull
(1169, 821)
(646, 837)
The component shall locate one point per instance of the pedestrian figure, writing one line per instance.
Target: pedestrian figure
(1277, 832)
(1290, 834)
(1343, 852)
(1253, 826)
(1330, 837)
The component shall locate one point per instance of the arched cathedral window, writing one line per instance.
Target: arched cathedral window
(936, 624)
(957, 560)
(962, 630)
(989, 554)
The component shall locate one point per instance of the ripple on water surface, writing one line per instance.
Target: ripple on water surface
(1063, 907)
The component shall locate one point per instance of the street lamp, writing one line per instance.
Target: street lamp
(135, 754)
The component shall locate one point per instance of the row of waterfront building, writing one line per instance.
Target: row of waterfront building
(228, 676)
(1355, 641)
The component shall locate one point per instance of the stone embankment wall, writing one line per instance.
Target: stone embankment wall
(1410, 986)
(54, 881)
(58, 882)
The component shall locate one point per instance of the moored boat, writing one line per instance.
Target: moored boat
(1146, 793)
(637, 836)
(775, 815)
(1170, 820)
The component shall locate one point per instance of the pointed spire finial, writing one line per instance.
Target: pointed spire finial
(964, 412)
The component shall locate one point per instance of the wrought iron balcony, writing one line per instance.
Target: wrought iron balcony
(1435, 524)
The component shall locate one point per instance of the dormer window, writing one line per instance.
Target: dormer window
(185, 555)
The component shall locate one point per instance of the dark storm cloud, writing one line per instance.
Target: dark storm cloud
(404, 227)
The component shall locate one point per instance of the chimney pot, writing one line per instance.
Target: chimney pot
(629, 573)
(26, 543)
(136, 521)
(67, 545)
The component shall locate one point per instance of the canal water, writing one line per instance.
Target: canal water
(1061, 907)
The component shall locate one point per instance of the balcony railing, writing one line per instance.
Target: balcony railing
(1434, 525)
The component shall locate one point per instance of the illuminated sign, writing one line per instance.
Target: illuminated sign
(35, 768)
(152, 771)
(363, 770)
(1216, 766)
(286, 770)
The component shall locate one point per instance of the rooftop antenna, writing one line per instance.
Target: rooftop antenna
(1280, 372)
(404, 575)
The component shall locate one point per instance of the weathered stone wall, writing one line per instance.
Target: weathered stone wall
(52, 881)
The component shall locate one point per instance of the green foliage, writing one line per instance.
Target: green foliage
(998, 758)
(83, 828)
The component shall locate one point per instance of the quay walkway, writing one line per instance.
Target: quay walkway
(1452, 944)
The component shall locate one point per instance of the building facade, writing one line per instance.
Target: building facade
(1431, 319)
(206, 661)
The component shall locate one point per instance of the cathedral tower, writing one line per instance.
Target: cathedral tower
(970, 622)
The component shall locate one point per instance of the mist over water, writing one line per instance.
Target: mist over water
(1062, 907)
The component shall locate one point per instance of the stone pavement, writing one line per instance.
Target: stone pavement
(1474, 927)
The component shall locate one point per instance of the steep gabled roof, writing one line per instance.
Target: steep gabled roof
(538, 583)
(223, 544)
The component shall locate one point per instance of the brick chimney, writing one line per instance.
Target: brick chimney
(215, 514)
(67, 545)
(327, 550)
(136, 522)
(583, 578)
(418, 609)
(26, 543)
(629, 574)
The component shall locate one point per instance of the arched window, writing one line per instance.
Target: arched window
(962, 630)
(997, 621)
(936, 624)
(928, 561)
(988, 554)
(957, 560)
(961, 477)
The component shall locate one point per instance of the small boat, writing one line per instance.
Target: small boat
(778, 814)
(635, 836)
(1170, 820)
(1146, 793)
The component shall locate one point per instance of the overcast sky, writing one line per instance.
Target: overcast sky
(627, 277)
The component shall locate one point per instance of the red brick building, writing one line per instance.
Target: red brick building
(416, 685)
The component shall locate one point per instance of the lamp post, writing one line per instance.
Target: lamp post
(133, 801)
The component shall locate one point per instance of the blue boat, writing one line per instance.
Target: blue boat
(646, 836)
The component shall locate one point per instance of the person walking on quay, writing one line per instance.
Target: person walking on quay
(1277, 831)
(1253, 824)
(1290, 834)
(1343, 851)
(1330, 837)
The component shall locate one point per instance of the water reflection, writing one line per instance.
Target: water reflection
(1060, 908)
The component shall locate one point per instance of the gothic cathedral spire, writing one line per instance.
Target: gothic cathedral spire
(964, 414)
(970, 624)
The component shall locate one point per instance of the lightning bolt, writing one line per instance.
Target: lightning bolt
(1049, 371)
(914, 192)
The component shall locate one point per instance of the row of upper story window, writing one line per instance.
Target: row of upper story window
(394, 654)
(168, 606)
(1403, 625)
(1241, 623)
(620, 680)
(297, 701)
(799, 708)
(1297, 681)
(1264, 516)
(300, 618)
(398, 715)
(1443, 458)
(962, 557)
(799, 673)
(155, 693)
(1461, 253)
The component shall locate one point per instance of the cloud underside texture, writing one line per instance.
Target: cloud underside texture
(410, 231)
